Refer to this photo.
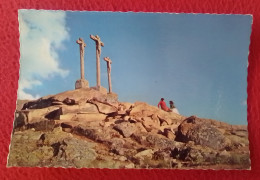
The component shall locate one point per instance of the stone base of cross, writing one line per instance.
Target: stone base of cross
(81, 83)
(100, 89)
(112, 95)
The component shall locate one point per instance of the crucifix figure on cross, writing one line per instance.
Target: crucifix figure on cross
(109, 62)
(99, 43)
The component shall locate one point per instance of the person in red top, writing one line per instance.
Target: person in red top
(163, 105)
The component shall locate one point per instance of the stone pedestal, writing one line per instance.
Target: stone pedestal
(100, 89)
(112, 98)
(81, 83)
(112, 95)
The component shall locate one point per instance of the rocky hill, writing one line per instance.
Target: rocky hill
(88, 128)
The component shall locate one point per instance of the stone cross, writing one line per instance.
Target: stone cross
(98, 53)
(109, 62)
(82, 82)
(82, 45)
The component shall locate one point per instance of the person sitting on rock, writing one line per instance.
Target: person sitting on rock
(173, 108)
(163, 105)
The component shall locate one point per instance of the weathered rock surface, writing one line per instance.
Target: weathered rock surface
(201, 132)
(125, 128)
(151, 124)
(89, 128)
(141, 110)
(75, 153)
(38, 104)
(37, 114)
(103, 107)
(20, 120)
(84, 94)
(146, 154)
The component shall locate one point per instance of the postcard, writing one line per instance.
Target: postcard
(131, 90)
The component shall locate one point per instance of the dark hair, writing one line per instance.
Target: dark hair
(171, 104)
(162, 99)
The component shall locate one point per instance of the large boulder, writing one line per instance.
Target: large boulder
(74, 123)
(68, 117)
(161, 142)
(69, 109)
(195, 153)
(96, 133)
(140, 127)
(42, 125)
(88, 108)
(69, 101)
(116, 145)
(35, 115)
(124, 105)
(39, 119)
(84, 94)
(146, 154)
(104, 107)
(155, 140)
(125, 128)
(141, 110)
(55, 114)
(90, 117)
(82, 119)
(20, 119)
(201, 132)
(38, 104)
(150, 124)
(79, 108)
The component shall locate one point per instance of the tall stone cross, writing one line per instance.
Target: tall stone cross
(81, 83)
(109, 62)
(82, 45)
(98, 53)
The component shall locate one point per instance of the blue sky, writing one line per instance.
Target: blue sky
(197, 60)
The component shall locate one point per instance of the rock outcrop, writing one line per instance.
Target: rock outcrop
(201, 132)
(89, 128)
